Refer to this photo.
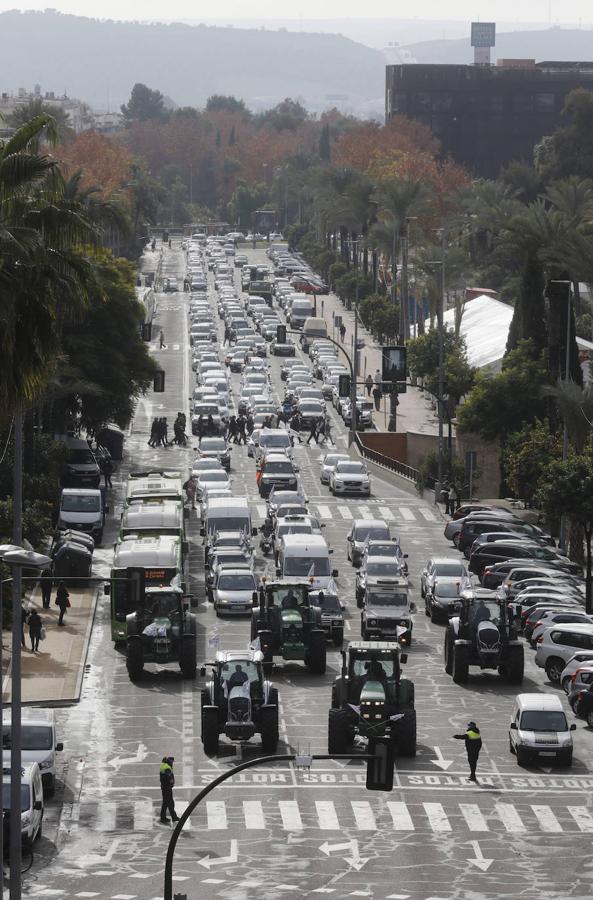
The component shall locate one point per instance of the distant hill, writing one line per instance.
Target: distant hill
(100, 61)
(551, 44)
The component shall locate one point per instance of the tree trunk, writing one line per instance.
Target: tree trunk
(575, 541)
(588, 586)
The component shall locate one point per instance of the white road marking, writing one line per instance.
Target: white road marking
(106, 816)
(176, 346)
(437, 817)
(386, 514)
(406, 513)
(363, 815)
(144, 815)
(473, 817)
(216, 812)
(187, 732)
(401, 818)
(546, 818)
(510, 818)
(345, 512)
(291, 817)
(365, 512)
(180, 807)
(261, 510)
(324, 512)
(254, 814)
(582, 817)
(427, 514)
(326, 814)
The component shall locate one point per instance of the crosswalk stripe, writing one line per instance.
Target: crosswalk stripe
(582, 817)
(324, 512)
(345, 512)
(326, 815)
(509, 817)
(365, 512)
(401, 818)
(216, 812)
(261, 510)
(406, 513)
(386, 514)
(363, 815)
(473, 817)
(427, 514)
(106, 814)
(143, 815)
(437, 817)
(180, 808)
(546, 818)
(254, 814)
(291, 816)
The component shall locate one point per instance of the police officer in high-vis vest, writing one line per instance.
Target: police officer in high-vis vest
(167, 784)
(473, 745)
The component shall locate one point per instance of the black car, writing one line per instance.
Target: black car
(285, 349)
(582, 704)
(277, 472)
(503, 550)
(474, 527)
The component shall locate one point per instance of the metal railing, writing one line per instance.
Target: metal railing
(394, 465)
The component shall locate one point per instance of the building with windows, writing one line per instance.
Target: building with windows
(485, 116)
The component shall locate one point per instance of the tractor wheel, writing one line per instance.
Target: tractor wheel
(187, 656)
(335, 699)
(267, 649)
(406, 694)
(255, 627)
(337, 637)
(515, 665)
(210, 730)
(317, 652)
(434, 616)
(269, 728)
(134, 659)
(273, 697)
(406, 734)
(338, 731)
(460, 663)
(449, 652)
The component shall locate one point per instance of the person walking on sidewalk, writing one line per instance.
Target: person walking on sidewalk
(454, 502)
(62, 600)
(24, 619)
(35, 626)
(473, 745)
(107, 471)
(378, 378)
(167, 783)
(162, 339)
(191, 487)
(369, 384)
(342, 332)
(377, 395)
(46, 583)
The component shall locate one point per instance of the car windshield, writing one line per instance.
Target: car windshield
(33, 737)
(375, 569)
(350, 468)
(371, 531)
(81, 457)
(446, 589)
(294, 529)
(236, 583)
(212, 444)
(275, 440)
(331, 459)
(387, 598)
(303, 566)
(214, 477)
(25, 797)
(283, 511)
(229, 559)
(451, 570)
(327, 602)
(72, 503)
(230, 523)
(389, 549)
(543, 720)
(279, 468)
(238, 672)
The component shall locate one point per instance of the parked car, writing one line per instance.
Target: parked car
(558, 644)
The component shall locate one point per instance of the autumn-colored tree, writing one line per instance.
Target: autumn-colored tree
(359, 146)
(104, 162)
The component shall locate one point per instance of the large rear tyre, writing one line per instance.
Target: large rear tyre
(338, 731)
(317, 653)
(269, 728)
(460, 663)
(448, 652)
(267, 649)
(134, 660)
(515, 666)
(210, 734)
(187, 656)
(406, 734)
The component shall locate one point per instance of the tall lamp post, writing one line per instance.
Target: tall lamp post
(441, 373)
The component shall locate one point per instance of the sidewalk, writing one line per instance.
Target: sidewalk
(54, 674)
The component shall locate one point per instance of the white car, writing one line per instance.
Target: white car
(550, 617)
(328, 464)
(575, 662)
(443, 568)
(350, 477)
(234, 591)
(559, 644)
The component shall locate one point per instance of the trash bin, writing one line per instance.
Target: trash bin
(112, 437)
(72, 560)
(70, 535)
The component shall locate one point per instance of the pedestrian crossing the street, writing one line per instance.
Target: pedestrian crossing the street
(353, 816)
(398, 515)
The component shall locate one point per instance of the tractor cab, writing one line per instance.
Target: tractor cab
(161, 630)
(288, 624)
(372, 672)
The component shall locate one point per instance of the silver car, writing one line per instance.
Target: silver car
(234, 591)
(329, 463)
(441, 567)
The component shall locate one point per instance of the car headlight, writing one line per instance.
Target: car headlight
(372, 621)
(45, 765)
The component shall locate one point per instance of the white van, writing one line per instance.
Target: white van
(539, 728)
(83, 509)
(307, 556)
(39, 743)
(227, 514)
(31, 801)
(313, 328)
(301, 308)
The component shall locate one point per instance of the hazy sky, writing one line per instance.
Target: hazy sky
(486, 10)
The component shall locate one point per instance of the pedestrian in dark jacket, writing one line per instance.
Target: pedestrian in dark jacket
(107, 471)
(167, 783)
(241, 426)
(231, 433)
(342, 332)
(35, 626)
(46, 582)
(24, 618)
(152, 441)
(473, 745)
(62, 600)
(369, 384)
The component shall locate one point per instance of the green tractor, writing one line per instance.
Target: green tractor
(239, 702)
(288, 625)
(162, 630)
(371, 699)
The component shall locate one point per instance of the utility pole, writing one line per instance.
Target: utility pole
(562, 538)
(15, 855)
(353, 409)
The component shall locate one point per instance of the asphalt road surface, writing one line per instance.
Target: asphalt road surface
(278, 832)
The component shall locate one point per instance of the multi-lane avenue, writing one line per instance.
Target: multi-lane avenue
(277, 831)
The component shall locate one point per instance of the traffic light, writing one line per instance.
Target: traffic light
(380, 767)
(344, 386)
(158, 384)
(135, 586)
(281, 334)
(147, 332)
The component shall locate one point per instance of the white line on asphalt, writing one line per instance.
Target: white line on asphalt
(473, 817)
(582, 817)
(510, 818)
(406, 513)
(291, 817)
(326, 814)
(106, 816)
(254, 814)
(176, 347)
(546, 818)
(401, 818)
(324, 512)
(261, 510)
(365, 512)
(363, 815)
(187, 732)
(386, 513)
(143, 815)
(180, 807)
(427, 514)
(344, 512)
(216, 812)
(437, 817)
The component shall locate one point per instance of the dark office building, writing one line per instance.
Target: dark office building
(485, 116)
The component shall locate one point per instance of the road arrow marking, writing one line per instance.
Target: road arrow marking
(440, 760)
(355, 859)
(141, 754)
(233, 856)
(479, 862)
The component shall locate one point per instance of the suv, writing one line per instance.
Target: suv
(361, 531)
(559, 644)
(387, 611)
(443, 568)
(500, 550)
(277, 471)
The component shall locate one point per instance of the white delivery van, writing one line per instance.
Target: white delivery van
(313, 329)
(226, 514)
(31, 801)
(38, 740)
(301, 309)
(83, 509)
(539, 728)
(307, 556)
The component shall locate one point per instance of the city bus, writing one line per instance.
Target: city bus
(142, 485)
(152, 516)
